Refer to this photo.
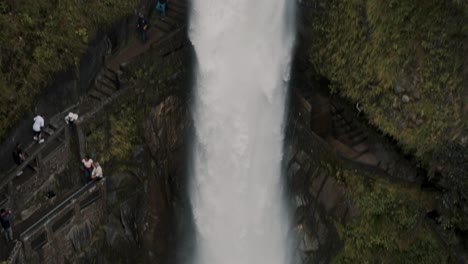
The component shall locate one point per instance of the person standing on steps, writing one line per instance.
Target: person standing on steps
(18, 157)
(142, 25)
(37, 128)
(88, 168)
(161, 6)
(6, 224)
(97, 172)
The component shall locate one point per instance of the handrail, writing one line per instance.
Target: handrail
(49, 216)
(14, 252)
(12, 173)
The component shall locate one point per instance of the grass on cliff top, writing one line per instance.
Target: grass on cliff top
(376, 51)
(41, 38)
(390, 226)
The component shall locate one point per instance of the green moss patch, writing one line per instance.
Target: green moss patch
(402, 60)
(112, 138)
(41, 38)
(389, 224)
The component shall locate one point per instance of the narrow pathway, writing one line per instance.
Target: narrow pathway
(341, 129)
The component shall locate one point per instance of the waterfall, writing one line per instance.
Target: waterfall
(243, 51)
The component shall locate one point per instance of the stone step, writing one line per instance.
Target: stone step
(108, 83)
(168, 24)
(342, 148)
(55, 124)
(104, 89)
(3, 200)
(358, 139)
(49, 130)
(181, 7)
(116, 73)
(163, 27)
(177, 8)
(110, 75)
(361, 147)
(51, 146)
(176, 15)
(169, 20)
(368, 158)
(96, 95)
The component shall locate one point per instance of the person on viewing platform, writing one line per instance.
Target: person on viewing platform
(88, 167)
(37, 128)
(6, 224)
(161, 6)
(97, 172)
(142, 25)
(18, 157)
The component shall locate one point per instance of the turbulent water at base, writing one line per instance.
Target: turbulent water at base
(243, 50)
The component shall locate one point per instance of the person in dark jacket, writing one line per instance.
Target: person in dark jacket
(161, 6)
(18, 157)
(6, 224)
(142, 26)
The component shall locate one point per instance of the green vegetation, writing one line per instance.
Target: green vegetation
(156, 76)
(454, 180)
(377, 51)
(114, 135)
(41, 38)
(114, 138)
(390, 226)
(403, 61)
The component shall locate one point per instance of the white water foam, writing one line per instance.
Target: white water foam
(243, 50)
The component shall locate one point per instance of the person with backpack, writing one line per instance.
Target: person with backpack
(88, 168)
(6, 224)
(18, 157)
(161, 6)
(142, 26)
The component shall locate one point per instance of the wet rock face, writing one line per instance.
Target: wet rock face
(80, 236)
(165, 136)
(317, 198)
(165, 128)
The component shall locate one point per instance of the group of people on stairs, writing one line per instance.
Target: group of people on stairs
(92, 169)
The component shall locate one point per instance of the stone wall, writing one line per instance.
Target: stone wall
(67, 232)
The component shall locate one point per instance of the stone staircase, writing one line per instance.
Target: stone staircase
(349, 139)
(160, 27)
(106, 84)
(176, 16)
(339, 126)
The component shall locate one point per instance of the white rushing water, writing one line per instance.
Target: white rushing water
(243, 50)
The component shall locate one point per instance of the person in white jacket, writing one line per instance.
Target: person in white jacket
(71, 117)
(37, 128)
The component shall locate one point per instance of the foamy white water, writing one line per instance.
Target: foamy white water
(243, 48)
